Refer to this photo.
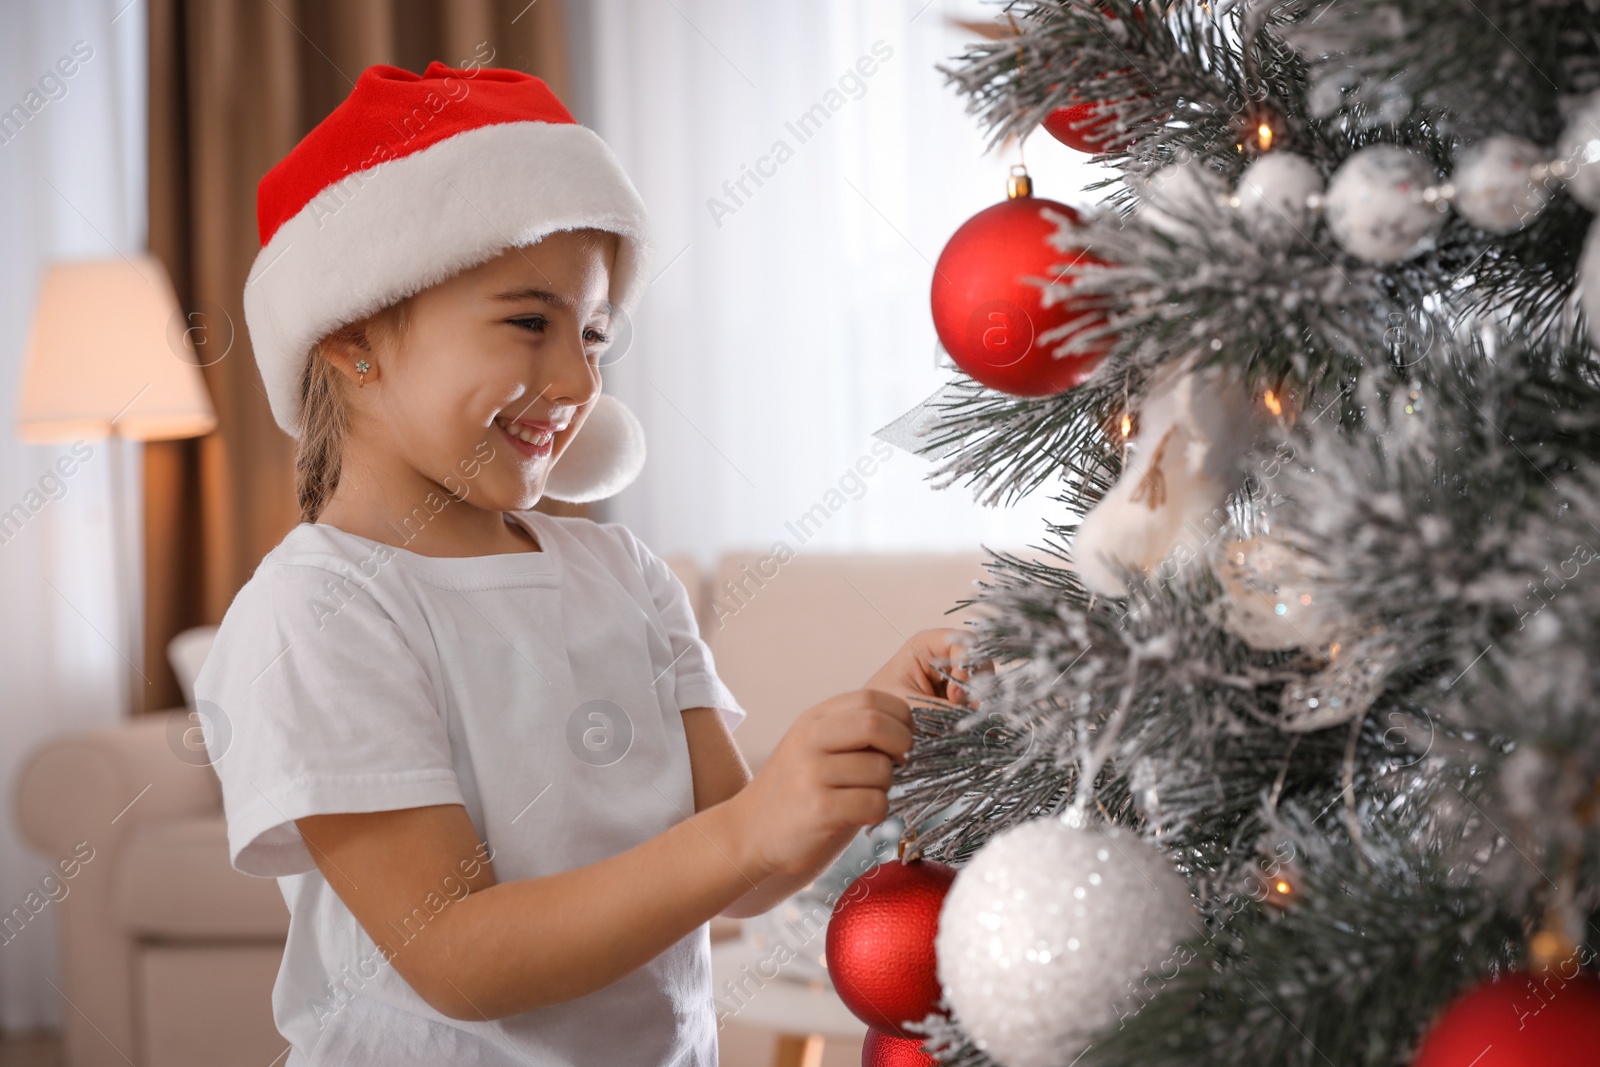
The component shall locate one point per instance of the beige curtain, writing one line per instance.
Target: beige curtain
(233, 85)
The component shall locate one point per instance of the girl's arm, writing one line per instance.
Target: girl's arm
(498, 949)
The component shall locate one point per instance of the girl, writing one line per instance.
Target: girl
(484, 749)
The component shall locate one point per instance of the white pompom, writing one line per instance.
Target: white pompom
(1494, 184)
(1181, 196)
(1052, 932)
(1589, 280)
(1579, 149)
(1274, 197)
(1375, 205)
(603, 459)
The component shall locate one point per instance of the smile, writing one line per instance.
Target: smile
(527, 440)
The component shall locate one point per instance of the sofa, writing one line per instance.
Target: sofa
(169, 955)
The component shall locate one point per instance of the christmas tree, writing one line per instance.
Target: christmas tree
(1290, 753)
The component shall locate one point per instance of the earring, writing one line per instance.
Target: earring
(362, 366)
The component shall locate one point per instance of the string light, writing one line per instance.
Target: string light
(1127, 424)
(1264, 137)
(1274, 405)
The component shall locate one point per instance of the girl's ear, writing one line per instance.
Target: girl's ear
(349, 346)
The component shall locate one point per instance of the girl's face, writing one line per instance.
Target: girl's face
(512, 344)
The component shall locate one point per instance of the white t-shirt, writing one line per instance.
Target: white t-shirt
(542, 690)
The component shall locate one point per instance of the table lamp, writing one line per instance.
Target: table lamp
(111, 356)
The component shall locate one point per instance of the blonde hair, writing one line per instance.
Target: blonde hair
(324, 415)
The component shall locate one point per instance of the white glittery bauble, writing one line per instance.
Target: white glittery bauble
(1044, 935)
(1589, 280)
(1181, 196)
(1375, 208)
(1579, 149)
(1494, 183)
(1274, 197)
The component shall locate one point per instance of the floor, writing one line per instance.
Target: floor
(740, 1047)
(19, 1051)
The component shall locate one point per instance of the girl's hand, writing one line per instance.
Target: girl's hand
(829, 776)
(909, 673)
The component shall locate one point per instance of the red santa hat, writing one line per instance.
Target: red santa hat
(414, 178)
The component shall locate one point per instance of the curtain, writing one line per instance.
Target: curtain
(804, 164)
(71, 186)
(234, 84)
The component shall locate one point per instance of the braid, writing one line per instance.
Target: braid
(324, 418)
(323, 424)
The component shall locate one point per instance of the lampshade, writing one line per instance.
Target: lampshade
(110, 355)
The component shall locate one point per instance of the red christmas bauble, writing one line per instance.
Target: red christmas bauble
(884, 1050)
(989, 319)
(1090, 127)
(879, 946)
(1521, 1020)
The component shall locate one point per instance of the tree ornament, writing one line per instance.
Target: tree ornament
(1091, 126)
(1181, 198)
(1498, 184)
(987, 312)
(1045, 932)
(1579, 153)
(1181, 466)
(880, 938)
(1274, 600)
(879, 1049)
(1375, 205)
(1521, 1020)
(1275, 198)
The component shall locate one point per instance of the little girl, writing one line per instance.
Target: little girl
(484, 749)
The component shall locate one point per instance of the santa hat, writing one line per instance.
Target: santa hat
(415, 178)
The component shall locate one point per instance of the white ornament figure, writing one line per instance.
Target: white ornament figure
(1181, 197)
(1275, 197)
(606, 455)
(1168, 504)
(1579, 153)
(1052, 932)
(1375, 206)
(1495, 186)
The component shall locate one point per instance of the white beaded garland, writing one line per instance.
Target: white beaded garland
(1044, 934)
(1579, 152)
(1375, 206)
(1496, 184)
(1275, 195)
